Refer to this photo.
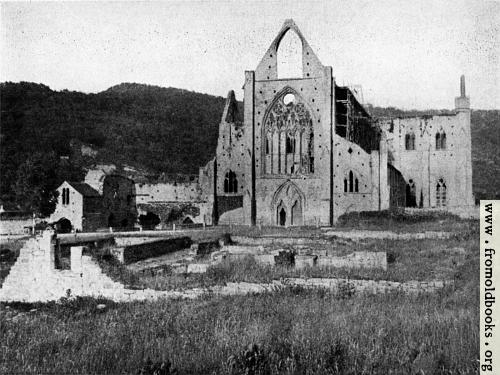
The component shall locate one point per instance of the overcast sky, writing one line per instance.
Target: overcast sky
(404, 54)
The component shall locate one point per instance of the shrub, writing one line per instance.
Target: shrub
(345, 290)
(285, 258)
(252, 361)
(157, 368)
(336, 358)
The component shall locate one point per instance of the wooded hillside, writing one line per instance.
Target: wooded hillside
(154, 129)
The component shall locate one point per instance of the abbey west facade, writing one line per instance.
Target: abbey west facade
(307, 151)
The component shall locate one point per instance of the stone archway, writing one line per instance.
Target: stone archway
(64, 225)
(288, 205)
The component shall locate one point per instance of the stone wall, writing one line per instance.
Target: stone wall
(154, 248)
(303, 185)
(167, 192)
(73, 211)
(14, 226)
(303, 257)
(426, 164)
(34, 278)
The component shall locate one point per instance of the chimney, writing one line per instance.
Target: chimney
(462, 103)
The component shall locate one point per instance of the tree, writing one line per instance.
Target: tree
(36, 183)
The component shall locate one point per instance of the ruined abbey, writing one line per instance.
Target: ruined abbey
(306, 153)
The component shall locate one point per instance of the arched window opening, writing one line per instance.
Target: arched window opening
(439, 142)
(289, 59)
(351, 182)
(443, 141)
(230, 183)
(345, 185)
(441, 193)
(410, 141)
(356, 187)
(187, 220)
(268, 146)
(296, 217)
(290, 144)
(65, 196)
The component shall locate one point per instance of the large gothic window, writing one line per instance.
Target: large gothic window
(289, 137)
(230, 183)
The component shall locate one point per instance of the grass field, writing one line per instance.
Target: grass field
(294, 331)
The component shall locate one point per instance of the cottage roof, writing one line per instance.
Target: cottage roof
(84, 189)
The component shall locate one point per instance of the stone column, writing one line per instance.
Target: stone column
(76, 259)
(47, 245)
(383, 185)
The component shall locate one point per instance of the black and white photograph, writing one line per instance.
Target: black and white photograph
(250, 187)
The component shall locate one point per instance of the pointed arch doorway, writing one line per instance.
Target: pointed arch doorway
(281, 215)
(288, 205)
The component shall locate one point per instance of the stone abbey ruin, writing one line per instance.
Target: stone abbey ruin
(306, 152)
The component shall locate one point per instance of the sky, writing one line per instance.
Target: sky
(406, 54)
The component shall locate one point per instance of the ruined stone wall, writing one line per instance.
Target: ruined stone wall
(153, 248)
(14, 226)
(167, 192)
(232, 160)
(279, 189)
(426, 164)
(34, 276)
(349, 157)
(315, 91)
(119, 201)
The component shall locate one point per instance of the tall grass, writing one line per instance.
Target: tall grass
(295, 332)
(408, 222)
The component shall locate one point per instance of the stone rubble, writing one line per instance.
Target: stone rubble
(34, 278)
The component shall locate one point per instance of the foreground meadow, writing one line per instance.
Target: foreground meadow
(293, 331)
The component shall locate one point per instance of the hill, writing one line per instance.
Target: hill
(154, 129)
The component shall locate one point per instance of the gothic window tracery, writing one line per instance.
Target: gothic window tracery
(289, 136)
(351, 183)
